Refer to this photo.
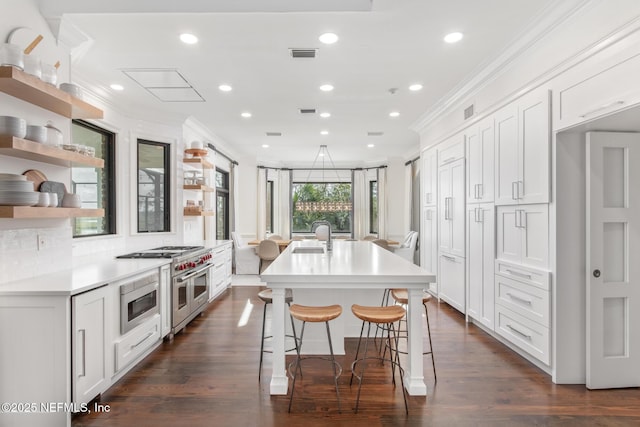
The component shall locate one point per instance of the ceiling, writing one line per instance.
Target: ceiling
(384, 46)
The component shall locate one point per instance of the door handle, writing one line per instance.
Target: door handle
(517, 273)
(428, 215)
(517, 298)
(523, 223)
(84, 352)
(514, 190)
(448, 258)
(515, 218)
(596, 273)
(522, 334)
(480, 191)
(520, 189)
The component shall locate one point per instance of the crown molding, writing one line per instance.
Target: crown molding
(551, 17)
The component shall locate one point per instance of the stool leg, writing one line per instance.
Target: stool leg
(366, 345)
(295, 339)
(293, 386)
(433, 361)
(264, 316)
(383, 303)
(397, 361)
(333, 362)
(357, 353)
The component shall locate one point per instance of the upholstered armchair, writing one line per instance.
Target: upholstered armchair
(407, 248)
(245, 257)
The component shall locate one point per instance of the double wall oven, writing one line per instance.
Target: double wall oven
(190, 282)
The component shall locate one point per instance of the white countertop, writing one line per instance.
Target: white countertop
(350, 262)
(88, 272)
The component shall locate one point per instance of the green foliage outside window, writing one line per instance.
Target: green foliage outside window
(340, 220)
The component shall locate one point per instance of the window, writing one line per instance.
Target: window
(153, 187)
(269, 206)
(329, 201)
(222, 205)
(95, 186)
(373, 207)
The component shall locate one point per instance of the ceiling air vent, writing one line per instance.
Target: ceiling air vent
(274, 133)
(303, 53)
(307, 110)
(376, 133)
(468, 112)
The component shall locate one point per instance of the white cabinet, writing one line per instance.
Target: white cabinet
(429, 173)
(135, 343)
(480, 263)
(452, 280)
(165, 300)
(451, 208)
(522, 235)
(90, 315)
(522, 135)
(429, 245)
(480, 164)
(220, 273)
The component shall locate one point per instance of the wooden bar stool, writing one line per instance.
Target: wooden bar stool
(316, 314)
(379, 316)
(401, 296)
(267, 298)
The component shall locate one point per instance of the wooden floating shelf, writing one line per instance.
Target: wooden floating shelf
(199, 161)
(198, 213)
(199, 188)
(33, 90)
(25, 149)
(38, 212)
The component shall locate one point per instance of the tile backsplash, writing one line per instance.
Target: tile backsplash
(33, 252)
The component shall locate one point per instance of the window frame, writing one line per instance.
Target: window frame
(270, 203)
(373, 183)
(110, 211)
(167, 185)
(226, 193)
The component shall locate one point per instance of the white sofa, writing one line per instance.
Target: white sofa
(245, 258)
(407, 248)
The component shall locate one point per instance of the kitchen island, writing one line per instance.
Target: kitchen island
(352, 272)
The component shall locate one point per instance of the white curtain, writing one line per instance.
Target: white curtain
(262, 203)
(359, 204)
(408, 195)
(382, 203)
(283, 223)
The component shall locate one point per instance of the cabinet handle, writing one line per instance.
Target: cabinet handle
(520, 189)
(523, 218)
(480, 191)
(517, 298)
(448, 160)
(450, 208)
(428, 215)
(515, 218)
(517, 273)
(514, 190)
(448, 258)
(84, 352)
(602, 107)
(142, 340)
(522, 334)
(478, 214)
(428, 197)
(446, 208)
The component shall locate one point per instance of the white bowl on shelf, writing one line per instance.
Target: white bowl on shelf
(71, 89)
(11, 54)
(13, 126)
(71, 200)
(19, 198)
(36, 134)
(12, 177)
(6, 185)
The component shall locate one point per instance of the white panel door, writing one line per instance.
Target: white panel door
(613, 271)
(506, 155)
(508, 235)
(480, 162)
(429, 247)
(452, 281)
(474, 164)
(457, 208)
(480, 263)
(444, 209)
(533, 222)
(429, 174)
(533, 148)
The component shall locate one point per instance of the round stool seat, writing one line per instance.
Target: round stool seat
(388, 314)
(267, 296)
(402, 296)
(315, 314)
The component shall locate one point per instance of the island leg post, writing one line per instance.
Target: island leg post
(414, 375)
(279, 379)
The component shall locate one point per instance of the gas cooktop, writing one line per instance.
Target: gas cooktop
(162, 252)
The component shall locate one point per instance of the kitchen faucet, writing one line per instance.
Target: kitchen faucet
(324, 222)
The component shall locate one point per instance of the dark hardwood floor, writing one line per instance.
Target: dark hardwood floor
(208, 376)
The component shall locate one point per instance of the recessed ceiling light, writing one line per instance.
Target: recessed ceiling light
(225, 88)
(324, 132)
(246, 114)
(394, 114)
(188, 38)
(325, 115)
(328, 38)
(415, 87)
(326, 88)
(116, 86)
(370, 145)
(453, 37)
(265, 145)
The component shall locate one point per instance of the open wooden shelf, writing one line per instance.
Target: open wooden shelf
(25, 149)
(199, 161)
(199, 188)
(38, 212)
(198, 213)
(33, 90)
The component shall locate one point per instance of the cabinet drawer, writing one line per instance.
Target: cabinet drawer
(137, 342)
(600, 94)
(527, 275)
(524, 333)
(523, 299)
(451, 153)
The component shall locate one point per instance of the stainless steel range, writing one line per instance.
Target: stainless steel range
(190, 280)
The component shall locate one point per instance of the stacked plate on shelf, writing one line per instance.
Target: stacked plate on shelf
(15, 190)
(13, 126)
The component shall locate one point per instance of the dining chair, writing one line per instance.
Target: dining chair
(275, 237)
(245, 258)
(268, 251)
